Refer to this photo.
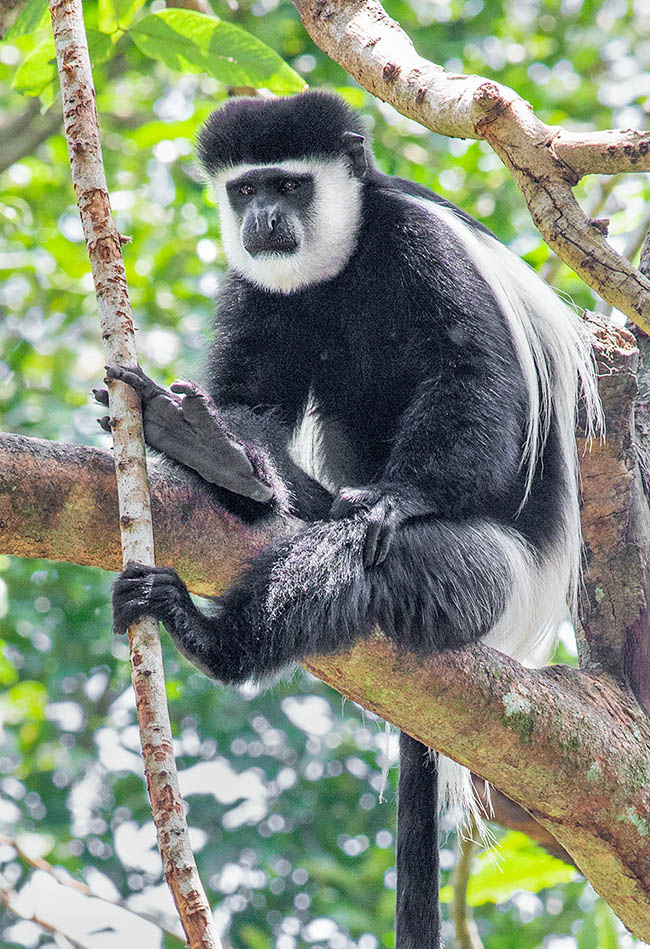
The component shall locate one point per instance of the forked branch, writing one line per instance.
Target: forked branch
(545, 161)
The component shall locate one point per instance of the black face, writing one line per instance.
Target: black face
(272, 207)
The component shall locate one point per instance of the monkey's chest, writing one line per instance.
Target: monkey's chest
(353, 414)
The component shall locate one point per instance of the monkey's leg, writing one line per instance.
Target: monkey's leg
(303, 595)
(243, 637)
(441, 586)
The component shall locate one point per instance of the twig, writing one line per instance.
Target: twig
(64, 879)
(467, 936)
(103, 242)
(25, 133)
(10, 898)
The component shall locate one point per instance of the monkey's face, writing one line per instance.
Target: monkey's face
(290, 225)
(273, 210)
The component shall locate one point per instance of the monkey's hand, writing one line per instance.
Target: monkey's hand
(381, 515)
(150, 591)
(384, 508)
(185, 425)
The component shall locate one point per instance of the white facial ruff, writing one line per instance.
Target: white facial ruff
(328, 237)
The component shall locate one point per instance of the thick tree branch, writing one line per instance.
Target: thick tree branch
(545, 161)
(573, 746)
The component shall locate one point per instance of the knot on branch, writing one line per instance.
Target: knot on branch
(488, 94)
(492, 101)
(601, 224)
(324, 10)
(391, 72)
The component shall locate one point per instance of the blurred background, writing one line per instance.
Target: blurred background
(293, 842)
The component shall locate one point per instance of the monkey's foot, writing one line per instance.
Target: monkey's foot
(159, 592)
(381, 514)
(185, 425)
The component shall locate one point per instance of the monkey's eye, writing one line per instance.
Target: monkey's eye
(289, 185)
(246, 189)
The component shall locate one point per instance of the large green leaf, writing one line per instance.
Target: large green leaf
(37, 70)
(189, 41)
(31, 18)
(519, 865)
(100, 46)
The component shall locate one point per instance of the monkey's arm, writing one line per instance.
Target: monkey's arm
(456, 453)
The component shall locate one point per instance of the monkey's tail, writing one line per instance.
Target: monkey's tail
(417, 913)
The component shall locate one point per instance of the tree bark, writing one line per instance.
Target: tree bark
(104, 250)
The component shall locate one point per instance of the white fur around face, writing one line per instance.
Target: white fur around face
(328, 238)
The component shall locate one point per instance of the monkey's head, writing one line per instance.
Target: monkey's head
(288, 178)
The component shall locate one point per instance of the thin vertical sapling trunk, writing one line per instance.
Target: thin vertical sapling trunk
(103, 242)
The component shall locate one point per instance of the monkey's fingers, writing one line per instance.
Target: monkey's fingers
(189, 389)
(198, 408)
(101, 396)
(350, 501)
(142, 590)
(145, 387)
(383, 522)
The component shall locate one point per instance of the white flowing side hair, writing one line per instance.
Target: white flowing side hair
(554, 349)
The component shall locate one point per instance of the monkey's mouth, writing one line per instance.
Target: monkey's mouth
(270, 246)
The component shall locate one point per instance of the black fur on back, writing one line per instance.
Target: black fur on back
(263, 131)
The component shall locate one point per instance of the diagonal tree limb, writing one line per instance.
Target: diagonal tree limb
(573, 744)
(545, 161)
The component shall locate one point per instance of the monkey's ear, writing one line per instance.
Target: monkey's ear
(355, 149)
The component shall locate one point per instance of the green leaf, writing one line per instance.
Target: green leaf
(114, 15)
(518, 865)
(189, 41)
(599, 929)
(607, 928)
(100, 46)
(253, 937)
(31, 18)
(27, 700)
(8, 673)
(37, 70)
(588, 933)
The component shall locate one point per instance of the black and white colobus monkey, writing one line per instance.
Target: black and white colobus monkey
(387, 371)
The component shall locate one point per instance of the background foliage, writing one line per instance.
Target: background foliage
(283, 785)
